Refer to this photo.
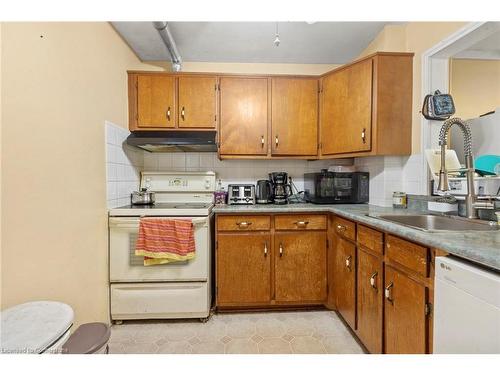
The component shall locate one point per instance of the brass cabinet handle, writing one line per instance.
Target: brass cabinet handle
(168, 113)
(341, 227)
(363, 135)
(373, 283)
(348, 262)
(262, 141)
(265, 249)
(244, 224)
(276, 141)
(301, 224)
(281, 249)
(183, 114)
(388, 293)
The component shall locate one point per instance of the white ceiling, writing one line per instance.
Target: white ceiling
(488, 48)
(301, 42)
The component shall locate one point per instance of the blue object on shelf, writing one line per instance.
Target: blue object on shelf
(487, 163)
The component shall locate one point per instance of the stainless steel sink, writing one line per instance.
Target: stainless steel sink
(438, 223)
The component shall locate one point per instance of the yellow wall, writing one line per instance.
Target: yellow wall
(418, 37)
(60, 81)
(0, 161)
(475, 86)
(251, 68)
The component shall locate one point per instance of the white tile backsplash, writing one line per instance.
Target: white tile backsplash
(386, 176)
(233, 171)
(124, 163)
(123, 166)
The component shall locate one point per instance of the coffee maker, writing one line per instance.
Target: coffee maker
(281, 188)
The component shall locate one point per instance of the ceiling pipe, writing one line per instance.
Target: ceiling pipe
(170, 44)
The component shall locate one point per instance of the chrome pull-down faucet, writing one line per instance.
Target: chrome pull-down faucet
(471, 205)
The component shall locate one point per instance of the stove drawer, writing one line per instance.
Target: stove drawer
(159, 300)
(125, 266)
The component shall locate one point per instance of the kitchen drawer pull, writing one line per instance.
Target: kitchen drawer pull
(276, 141)
(244, 224)
(281, 250)
(388, 294)
(341, 228)
(348, 262)
(373, 282)
(168, 113)
(262, 141)
(363, 135)
(183, 114)
(265, 249)
(301, 224)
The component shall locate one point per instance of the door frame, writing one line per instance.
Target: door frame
(436, 76)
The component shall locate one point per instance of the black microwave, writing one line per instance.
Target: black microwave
(337, 187)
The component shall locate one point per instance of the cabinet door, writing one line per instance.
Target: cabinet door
(370, 300)
(300, 266)
(294, 116)
(243, 268)
(155, 101)
(345, 279)
(346, 110)
(404, 316)
(243, 122)
(197, 105)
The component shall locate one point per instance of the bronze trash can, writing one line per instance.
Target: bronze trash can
(89, 338)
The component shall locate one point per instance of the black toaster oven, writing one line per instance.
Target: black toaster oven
(336, 187)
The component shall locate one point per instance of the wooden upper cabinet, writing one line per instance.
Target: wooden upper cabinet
(155, 101)
(243, 128)
(243, 268)
(300, 266)
(404, 314)
(366, 107)
(346, 114)
(294, 115)
(344, 282)
(197, 101)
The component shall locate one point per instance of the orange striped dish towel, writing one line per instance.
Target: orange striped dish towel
(163, 241)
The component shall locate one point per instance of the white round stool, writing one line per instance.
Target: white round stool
(36, 327)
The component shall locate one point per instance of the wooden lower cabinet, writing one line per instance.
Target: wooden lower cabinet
(370, 300)
(266, 261)
(344, 279)
(243, 268)
(404, 314)
(300, 266)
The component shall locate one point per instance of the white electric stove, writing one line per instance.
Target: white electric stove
(175, 290)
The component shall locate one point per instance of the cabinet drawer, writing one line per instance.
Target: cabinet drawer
(345, 228)
(243, 223)
(299, 222)
(371, 239)
(408, 254)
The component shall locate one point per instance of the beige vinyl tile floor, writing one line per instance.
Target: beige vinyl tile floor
(301, 332)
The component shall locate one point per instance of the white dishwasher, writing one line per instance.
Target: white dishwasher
(466, 308)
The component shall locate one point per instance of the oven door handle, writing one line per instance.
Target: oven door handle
(133, 223)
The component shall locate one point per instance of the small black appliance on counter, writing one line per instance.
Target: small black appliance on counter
(264, 192)
(281, 188)
(336, 187)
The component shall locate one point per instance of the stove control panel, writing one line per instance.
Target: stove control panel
(179, 182)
